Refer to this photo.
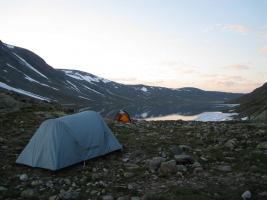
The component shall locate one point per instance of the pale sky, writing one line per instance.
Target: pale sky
(209, 44)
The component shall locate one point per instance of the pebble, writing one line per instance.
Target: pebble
(130, 186)
(175, 150)
(107, 197)
(263, 194)
(262, 145)
(198, 170)
(246, 195)
(23, 177)
(135, 198)
(184, 159)
(28, 193)
(154, 164)
(36, 182)
(167, 168)
(181, 168)
(68, 194)
(224, 168)
(196, 164)
(230, 144)
(54, 197)
(2, 188)
(123, 198)
(49, 184)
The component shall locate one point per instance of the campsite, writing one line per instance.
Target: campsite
(159, 160)
(133, 100)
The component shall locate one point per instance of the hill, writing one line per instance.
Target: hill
(22, 71)
(254, 104)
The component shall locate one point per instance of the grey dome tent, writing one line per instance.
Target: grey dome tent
(67, 140)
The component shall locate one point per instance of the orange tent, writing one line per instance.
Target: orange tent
(123, 116)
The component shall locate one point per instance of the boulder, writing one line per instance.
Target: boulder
(167, 168)
(184, 159)
(262, 145)
(154, 164)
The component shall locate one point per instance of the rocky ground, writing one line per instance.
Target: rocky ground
(160, 160)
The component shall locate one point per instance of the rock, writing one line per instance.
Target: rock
(2, 188)
(230, 144)
(125, 159)
(67, 181)
(196, 164)
(224, 168)
(184, 159)
(185, 147)
(23, 177)
(93, 192)
(175, 150)
(131, 166)
(262, 145)
(135, 198)
(263, 194)
(254, 168)
(69, 194)
(198, 170)
(2, 139)
(123, 198)
(36, 182)
(246, 195)
(154, 164)
(54, 197)
(128, 174)
(167, 168)
(29, 193)
(181, 168)
(130, 186)
(107, 197)
(49, 184)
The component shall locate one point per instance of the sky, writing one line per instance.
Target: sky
(209, 44)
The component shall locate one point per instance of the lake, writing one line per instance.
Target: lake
(209, 112)
(196, 112)
(204, 117)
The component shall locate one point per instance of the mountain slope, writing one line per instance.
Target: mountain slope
(254, 104)
(24, 72)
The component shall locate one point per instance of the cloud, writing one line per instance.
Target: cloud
(237, 28)
(264, 50)
(228, 83)
(239, 67)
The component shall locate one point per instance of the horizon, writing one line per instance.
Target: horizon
(211, 45)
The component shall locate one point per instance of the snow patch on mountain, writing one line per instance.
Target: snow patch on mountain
(74, 86)
(13, 67)
(28, 65)
(87, 78)
(33, 80)
(144, 89)
(93, 90)
(144, 115)
(5, 86)
(84, 98)
(9, 46)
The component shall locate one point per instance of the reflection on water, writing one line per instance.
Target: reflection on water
(200, 111)
(172, 117)
(204, 117)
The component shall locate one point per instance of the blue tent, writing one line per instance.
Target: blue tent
(67, 140)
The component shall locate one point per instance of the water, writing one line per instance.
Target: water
(190, 112)
(205, 116)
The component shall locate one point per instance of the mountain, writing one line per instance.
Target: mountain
(254, 104)
(22, 71)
